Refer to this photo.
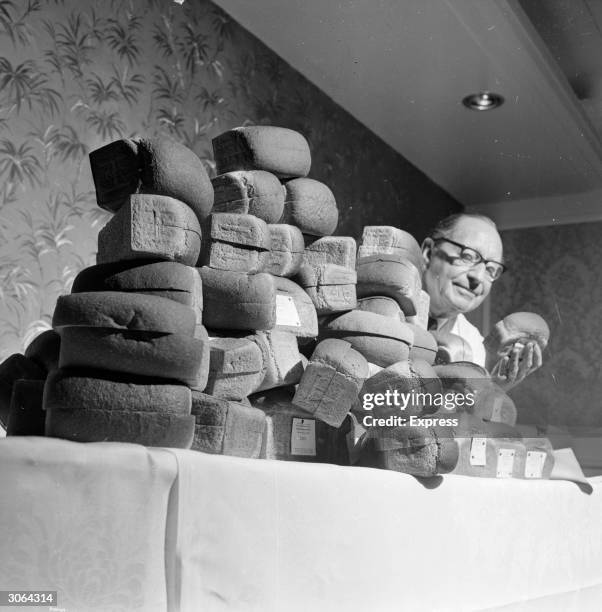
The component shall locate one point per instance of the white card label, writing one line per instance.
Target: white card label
(505, 462)
(373, 369)
(478, 451)
(534, 464)
(286, 311)
(496, 410)
(303, 437)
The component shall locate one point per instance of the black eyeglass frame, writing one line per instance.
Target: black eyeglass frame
(481, 259)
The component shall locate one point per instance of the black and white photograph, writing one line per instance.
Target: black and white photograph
(301, 305)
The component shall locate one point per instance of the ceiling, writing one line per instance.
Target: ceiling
(402, 67)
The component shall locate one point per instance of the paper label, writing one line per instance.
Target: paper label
(373, 369)
(478, 451)
(303, 437)
(286, 311)
(534, 464)
(496, 410)
(505, 462)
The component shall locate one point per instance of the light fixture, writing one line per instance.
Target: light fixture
(482, 101)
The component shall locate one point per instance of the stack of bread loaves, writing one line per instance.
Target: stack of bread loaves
(269, 266)
(224, 316)
(132, 341)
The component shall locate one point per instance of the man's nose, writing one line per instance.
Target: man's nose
(477, 273)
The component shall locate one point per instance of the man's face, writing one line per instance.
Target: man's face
(453, 288)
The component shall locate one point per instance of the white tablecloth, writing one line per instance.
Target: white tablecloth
(120, 527)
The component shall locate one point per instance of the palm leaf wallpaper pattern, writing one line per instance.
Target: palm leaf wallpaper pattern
(76, 74)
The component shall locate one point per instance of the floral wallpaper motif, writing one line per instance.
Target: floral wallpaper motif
(76, 74)
(555, 271)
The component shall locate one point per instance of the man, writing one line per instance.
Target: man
(464, 257)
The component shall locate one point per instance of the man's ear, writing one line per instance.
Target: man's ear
(427, 249)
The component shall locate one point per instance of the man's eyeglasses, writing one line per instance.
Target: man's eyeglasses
(469, 258)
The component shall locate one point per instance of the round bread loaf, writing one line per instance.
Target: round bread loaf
(175, 356)
(14, 368)
(252, 192)
(278, 150)
(147, 428)
(451, 348)
(311, 206)
(520, 327)
(381, 340)
(26, 416)
(44, 349)
(92, 389)
(168, 279)
(124, 311)
(169, 168)
(234, 300)
(379, 304)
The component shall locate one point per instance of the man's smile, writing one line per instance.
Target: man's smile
(464, 290)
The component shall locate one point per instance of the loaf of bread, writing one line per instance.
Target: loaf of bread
(390, 276)
(76, 389)
(518, 327)
(388, 240)
(154, 166)
(176, 356)
(286, 250)
(283, 365)
(295, 435)
(311, 206)
(424, 346)
(295, 310)
(235, 242)
(251, 192)
(419, 451)
(151, 226)
(493, 404)
(278, 150)
(411, 387)
(44, 350)
(331, 287)
(124, 311)
(14, 368)
(27, 416)
(167, 279)
(227, 428)
(381, 340)
(147, 428)
(451, 347)
(235, 368)
(234, 300)
(338, 250)
(423, 304)
(385, 306)
(329, 386)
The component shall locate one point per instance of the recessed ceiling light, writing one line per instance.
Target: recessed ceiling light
(482, 101)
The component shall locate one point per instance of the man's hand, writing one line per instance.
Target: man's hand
(516, 365)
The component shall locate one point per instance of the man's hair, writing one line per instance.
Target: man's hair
(448, 223)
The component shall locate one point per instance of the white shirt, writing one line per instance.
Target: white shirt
(460, 326)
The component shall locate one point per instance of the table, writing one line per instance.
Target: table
(122, 527)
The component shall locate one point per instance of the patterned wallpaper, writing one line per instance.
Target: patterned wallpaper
(76, 74)
(558, 275)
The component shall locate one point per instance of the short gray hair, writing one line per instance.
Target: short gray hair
(448, 223)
